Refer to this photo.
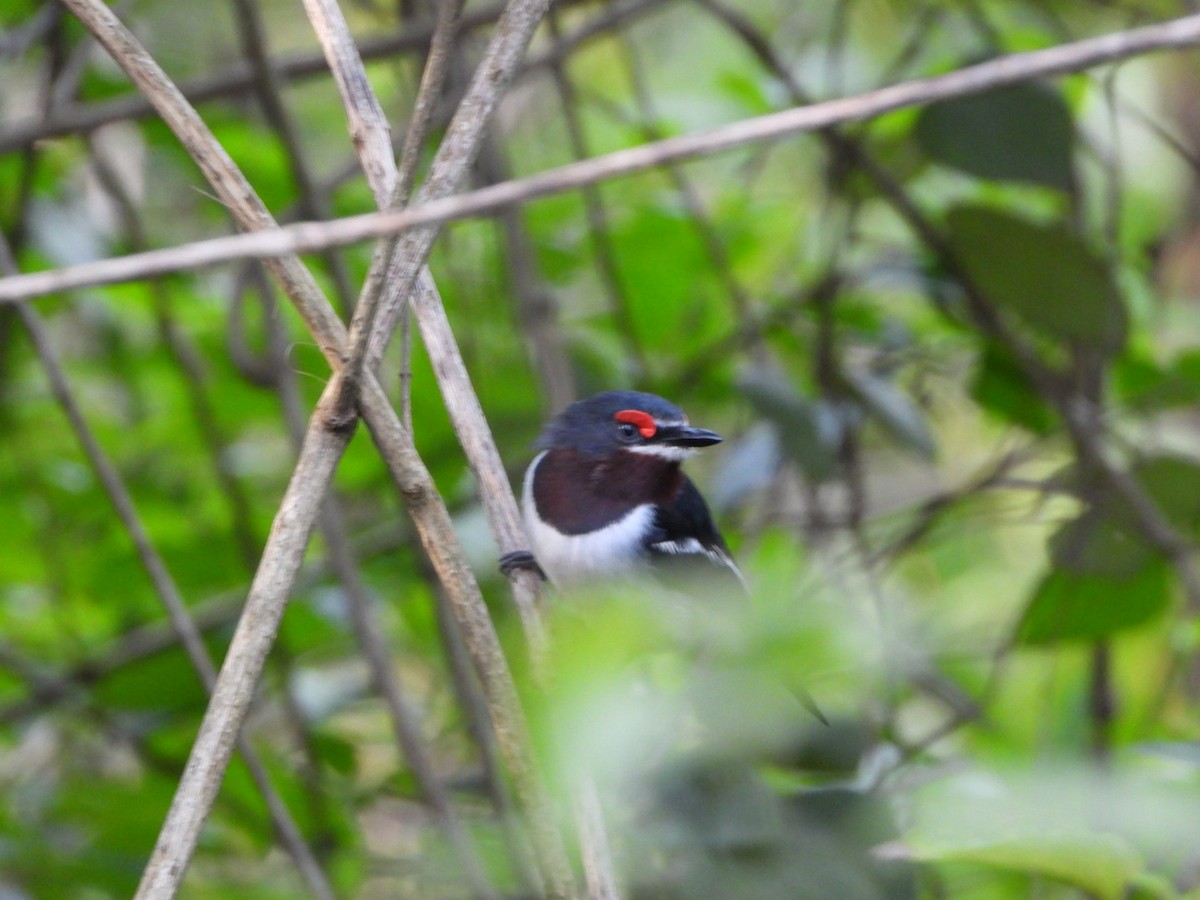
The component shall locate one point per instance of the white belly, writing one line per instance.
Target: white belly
(567, 558)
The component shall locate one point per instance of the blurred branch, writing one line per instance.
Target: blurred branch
(1102, 701)
(312, 236)
(237, 78)
(930, 512)
(191, 366)
(215, 612)
(537, 307)
(599, 229)
(234, 80)
(370, 635)
(398, 263)
(323, 446)
(168, 593)
(268, 90)
(689, 193)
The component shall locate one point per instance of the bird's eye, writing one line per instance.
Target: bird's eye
(627, 432)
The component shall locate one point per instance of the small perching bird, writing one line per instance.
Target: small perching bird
(606, 496)
(606, 499)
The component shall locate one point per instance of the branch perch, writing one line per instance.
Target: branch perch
(307, 237)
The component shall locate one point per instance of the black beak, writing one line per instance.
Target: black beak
(686, 436)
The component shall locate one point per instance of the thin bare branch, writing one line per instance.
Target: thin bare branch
(311, 236)
(370, 635)
(244, 661)
(233, 81)
(433, 82)
(170, 597)
(537, 307)
(268, 89)
(296, 517)
(384, 296)
(599, 231)
(369, 129)
(397, 262)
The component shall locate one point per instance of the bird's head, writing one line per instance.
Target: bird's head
(628, 421)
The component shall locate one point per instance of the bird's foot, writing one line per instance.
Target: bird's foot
(520, 559)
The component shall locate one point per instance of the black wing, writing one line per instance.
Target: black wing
(685, 539)
(685, 542)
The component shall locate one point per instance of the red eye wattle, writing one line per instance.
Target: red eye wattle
(643, 421)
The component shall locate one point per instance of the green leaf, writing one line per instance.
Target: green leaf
(163, 682)
(1103, 865)
(1173, 485)
(1151, 886)
(747, 90)
(1019, 133)
(336, 752)
(1070, 606)
(1000, 387)
(1147, 387)
(1106, 575)
(1043, 274)
(1098, 543)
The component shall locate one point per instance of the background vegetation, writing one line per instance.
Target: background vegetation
(952, 349)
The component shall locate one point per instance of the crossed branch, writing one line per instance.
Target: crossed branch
(398, 278)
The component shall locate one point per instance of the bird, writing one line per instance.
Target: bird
(606, 496)
(605, 499)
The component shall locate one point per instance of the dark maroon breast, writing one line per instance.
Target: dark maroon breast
(578, 493)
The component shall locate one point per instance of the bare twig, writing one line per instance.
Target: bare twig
(369, 633)
(433, 80)
(383, 297)
(244, 661)
(386, 289)
(268, 88)
(308, 237)
(369, 130)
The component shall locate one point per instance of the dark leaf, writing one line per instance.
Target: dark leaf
(1099, 544)
(1019, 133)
(164, 682)
(1041, 273)
(1002, 388)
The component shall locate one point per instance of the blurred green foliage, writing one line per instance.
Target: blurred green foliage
(1005, 653)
